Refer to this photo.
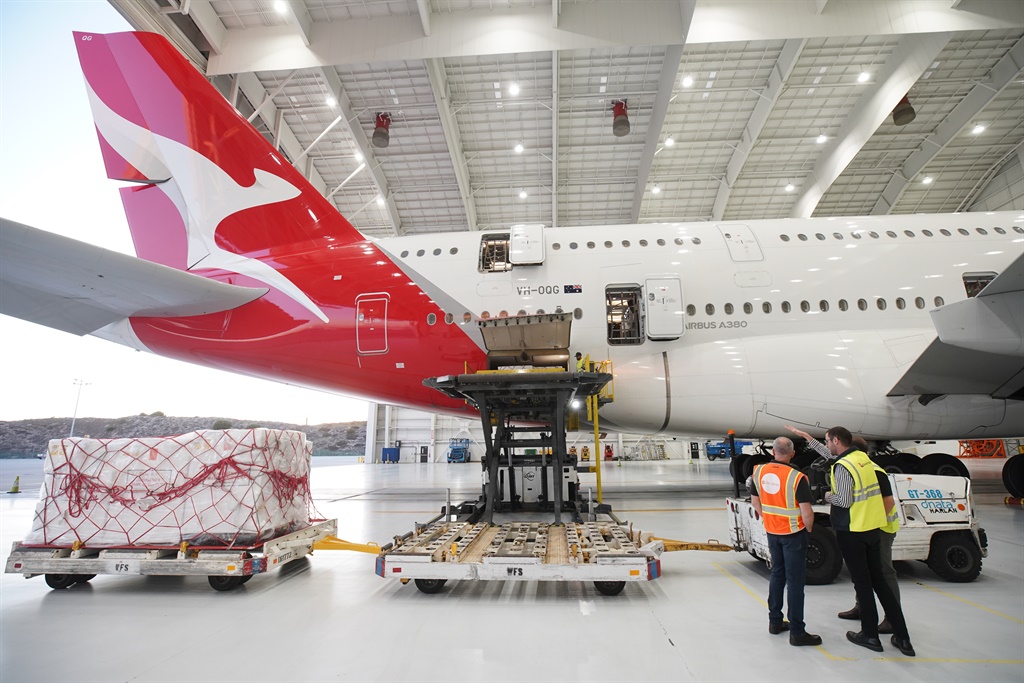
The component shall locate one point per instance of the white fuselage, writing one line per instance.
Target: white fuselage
(801, 321)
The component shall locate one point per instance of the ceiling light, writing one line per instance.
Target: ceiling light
(864, 76)
(927, 180)
(280, 7)
(790, 187)
(380, 200)
(331, 102)
(358, 156)
(518, 148)
(669, 142)
(978, 129)
(513, 89)
(687, 81)
(655, 189)
(522, 194)
(822, 139)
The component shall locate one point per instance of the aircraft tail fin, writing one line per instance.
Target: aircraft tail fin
(212, 193)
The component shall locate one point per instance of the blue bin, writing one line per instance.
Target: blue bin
(389, 455)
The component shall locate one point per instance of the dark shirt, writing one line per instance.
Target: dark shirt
(803, 488)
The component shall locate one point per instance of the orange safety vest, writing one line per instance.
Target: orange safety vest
(776, 487)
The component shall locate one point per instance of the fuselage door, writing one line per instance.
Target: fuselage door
(742, 244)
(372, 323)
(664, 308)
(527, 247)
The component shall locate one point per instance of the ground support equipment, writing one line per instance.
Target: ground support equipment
(226, 568)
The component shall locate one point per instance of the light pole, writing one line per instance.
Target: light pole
(79, 383)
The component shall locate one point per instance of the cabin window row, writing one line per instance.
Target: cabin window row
(822, 306)
(859, 234)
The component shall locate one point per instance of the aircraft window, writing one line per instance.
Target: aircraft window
(838, 235)
(679, 241)
(802, 237)
(710, 309)
(939, 301)
(748, 308)
(927, 233)
(900, 303)
(784, 238)
(405, 253)
(696, 240)
(944, 232)
(485, 315)
(981, 231)
(843, 306)
(453, 251)
(503, 314)
(874, 235)
(1017, 228)
(919, 302)
(449, 318)
(420, 252)
(573, 245)
(819, 235)
(540, 311)
(786, 307)
(625, 243)
(467, 317)
(1000, 231)
(521, 312)
(590, 245)
(431, 319)
(661, 243)
(856, 235)
(729, 309)
(576, 313)
(890, 233)
(962, 231)
(880, 302)
(643, 243)
(691, 310)
(862, 304)
(437, 252)
(805, 307)
(555, 246)
(608, 244)
(909, 233)
(975, 282)
(766, 307)
(494, 248)
(823, 306)
(623, 306)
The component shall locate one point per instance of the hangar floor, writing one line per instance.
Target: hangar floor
(330, 618)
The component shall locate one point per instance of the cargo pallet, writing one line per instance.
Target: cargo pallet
(226, 568)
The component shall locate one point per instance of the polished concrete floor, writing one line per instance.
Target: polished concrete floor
(329, 618)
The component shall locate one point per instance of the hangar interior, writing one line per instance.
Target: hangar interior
(425, 116)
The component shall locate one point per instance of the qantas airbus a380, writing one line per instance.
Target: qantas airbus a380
(897, 327)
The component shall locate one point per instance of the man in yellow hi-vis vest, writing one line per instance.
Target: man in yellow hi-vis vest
(781, 495)
(862, 501)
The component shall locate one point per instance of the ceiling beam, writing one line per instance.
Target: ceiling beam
(208, 23)
(755, 124)
(1001, 75)
(452, 135)
(901, 70)
(554, 137)
(350, 121)
(423, 7)
(299, 20)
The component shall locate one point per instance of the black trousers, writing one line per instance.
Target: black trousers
(862, 552)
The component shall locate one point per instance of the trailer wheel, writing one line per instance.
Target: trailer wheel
(955, 556)
(824, 561)
(245, 579)
(84, 578)
(1013, 475)
(609, 587)
(224, 583)
(944, 465)
(430, 586)
(59, 581)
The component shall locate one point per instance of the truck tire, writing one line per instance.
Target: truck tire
(609, 587)
(944, 465)
(430, 586)
(955, 556)
(1013, 476)
(224, 583)
(824, 561)
(61, 581)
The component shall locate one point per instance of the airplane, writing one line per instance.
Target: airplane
(897, 327)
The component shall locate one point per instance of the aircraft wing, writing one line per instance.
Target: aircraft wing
(77, 287)
(980, 349)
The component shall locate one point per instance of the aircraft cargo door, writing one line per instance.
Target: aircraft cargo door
(372, 323)
(664, 308)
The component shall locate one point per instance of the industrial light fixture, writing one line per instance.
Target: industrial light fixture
(790, 187)
(864, 76)
(903, 113)
(620, 119)
(382, 130)
(655, 189)
(280, 7)
(927, 180)
(978, 129)
(669, 141)
(358, 155)
(687, 81)
(522, 194)
(518, 148)
(331, 102)
(822, 139)
(513, 89)
(380, 200)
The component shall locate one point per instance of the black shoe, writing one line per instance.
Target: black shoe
(885, 626)
(852, 614)
(804, 639)
(859, 638)
(776, 629)
(903, 646)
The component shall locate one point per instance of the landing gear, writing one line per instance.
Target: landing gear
(1013, 476)
(945, 465)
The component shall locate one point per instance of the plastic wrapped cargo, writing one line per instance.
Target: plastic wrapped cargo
(233, 487)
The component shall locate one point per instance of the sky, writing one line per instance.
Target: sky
(52, 178)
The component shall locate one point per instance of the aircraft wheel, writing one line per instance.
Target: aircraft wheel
(824, 561)
(59, 581)
(753, 461)
(899, 463)
(224, 583)
(736, 467)
(609, 587)
(944, 465)
(1013, 475)
(955, 556)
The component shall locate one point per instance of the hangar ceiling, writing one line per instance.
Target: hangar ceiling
(738, 109)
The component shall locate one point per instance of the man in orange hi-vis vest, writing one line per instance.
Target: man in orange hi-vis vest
(782, 496)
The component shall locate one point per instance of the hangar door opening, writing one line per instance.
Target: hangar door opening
(372, 323)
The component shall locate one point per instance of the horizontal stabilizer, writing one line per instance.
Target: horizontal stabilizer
(77, 287)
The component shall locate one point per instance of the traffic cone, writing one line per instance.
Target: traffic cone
(17, 485)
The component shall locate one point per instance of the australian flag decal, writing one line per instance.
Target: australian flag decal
(572, 289)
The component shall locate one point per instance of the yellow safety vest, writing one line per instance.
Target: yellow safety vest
(867, 511)
(776, 487)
